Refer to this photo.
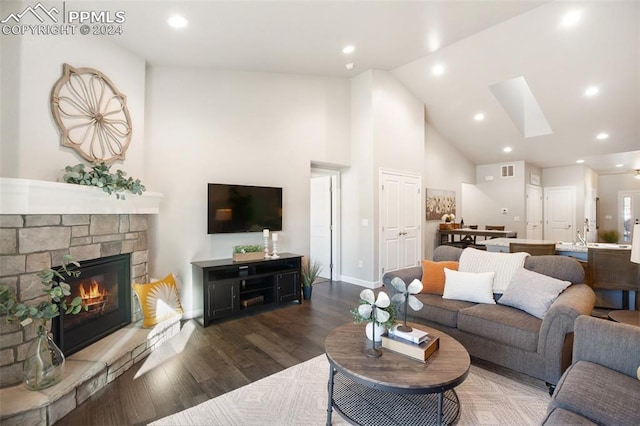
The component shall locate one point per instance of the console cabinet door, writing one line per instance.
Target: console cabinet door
(223, 298)
(288, 286)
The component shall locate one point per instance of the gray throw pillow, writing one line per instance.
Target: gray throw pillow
(532, 292)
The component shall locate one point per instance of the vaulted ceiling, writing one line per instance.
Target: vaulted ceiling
(478, 44)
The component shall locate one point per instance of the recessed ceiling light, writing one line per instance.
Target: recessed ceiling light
(507, 149)
(347, 50)
(602, 136)
(619, 165)
(438, 69)
(479, 116)
(571, 18)
(591, 91)
(177, 21)
(579, 161)
(349, 66)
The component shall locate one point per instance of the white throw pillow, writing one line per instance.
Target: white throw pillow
(504, 265)
(469, 286)
(532, 292)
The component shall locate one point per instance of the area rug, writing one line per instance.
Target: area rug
(298, 396)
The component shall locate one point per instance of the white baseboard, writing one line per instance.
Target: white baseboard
(358, 281)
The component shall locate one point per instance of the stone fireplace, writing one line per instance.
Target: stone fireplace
(40, 222)
(105, 289)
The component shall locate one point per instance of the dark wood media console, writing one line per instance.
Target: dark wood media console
(223, 288)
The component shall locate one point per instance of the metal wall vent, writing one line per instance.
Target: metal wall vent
(507, 170)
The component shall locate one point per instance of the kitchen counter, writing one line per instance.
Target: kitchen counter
(562, 248)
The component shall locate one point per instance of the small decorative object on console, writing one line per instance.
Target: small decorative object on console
(247, 252)
(265, 234)
(406, 296)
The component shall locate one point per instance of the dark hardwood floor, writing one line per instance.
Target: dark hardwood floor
(203, 363)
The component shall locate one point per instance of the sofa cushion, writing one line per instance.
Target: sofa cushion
(532, 292)
(502, 324)
(562, 417)
(504, 265)
(433, 275)
(468, 286)
(439, 310)
(600, 394)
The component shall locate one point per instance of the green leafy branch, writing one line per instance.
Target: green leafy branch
(248, 249)
(54, 286)
(101, 177)
(357, 318)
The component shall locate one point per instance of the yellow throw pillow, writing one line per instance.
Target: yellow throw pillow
(159, 300)
(433, 275)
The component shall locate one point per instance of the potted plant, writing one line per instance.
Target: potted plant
(310, 272)
(609, 236)
(242, 253)
(44, 364)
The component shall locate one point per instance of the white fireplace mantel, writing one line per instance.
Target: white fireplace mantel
(27, 196)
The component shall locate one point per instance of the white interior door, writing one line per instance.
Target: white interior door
(560, 213)
(534, 212)
(400, 207)
(628, 213)
(323, 222)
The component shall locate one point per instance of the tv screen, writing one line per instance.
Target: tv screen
(240, 208)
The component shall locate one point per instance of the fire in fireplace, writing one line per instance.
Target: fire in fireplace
(105, 290)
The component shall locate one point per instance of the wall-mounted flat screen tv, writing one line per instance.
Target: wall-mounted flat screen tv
(240, 208)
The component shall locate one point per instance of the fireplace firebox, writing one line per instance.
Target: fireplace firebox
(104, 285)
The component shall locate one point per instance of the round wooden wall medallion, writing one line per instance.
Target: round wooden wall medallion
(91, 114)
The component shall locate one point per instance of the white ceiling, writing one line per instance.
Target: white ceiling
(480, 43)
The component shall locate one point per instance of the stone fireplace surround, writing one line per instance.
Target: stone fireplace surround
(39, 223)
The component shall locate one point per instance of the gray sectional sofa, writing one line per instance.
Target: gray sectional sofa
(601, 387)
(504, 335)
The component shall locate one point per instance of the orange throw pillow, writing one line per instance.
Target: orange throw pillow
(433, 275)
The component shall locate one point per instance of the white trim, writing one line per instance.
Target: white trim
(359, 282)
(26, 196)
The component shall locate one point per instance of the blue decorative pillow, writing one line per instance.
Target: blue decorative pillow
(532, 292)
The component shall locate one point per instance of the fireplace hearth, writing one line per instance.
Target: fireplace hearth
(104, 285)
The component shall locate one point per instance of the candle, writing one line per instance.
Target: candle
(274, 237)
(265, 233)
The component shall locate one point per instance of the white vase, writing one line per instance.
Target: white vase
(380, 330)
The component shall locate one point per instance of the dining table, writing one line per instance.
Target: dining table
(448, 236)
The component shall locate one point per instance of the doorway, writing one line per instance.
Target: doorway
(534, 212)
(628, 213)
(324, 226)
(400, 220)
(560, 213)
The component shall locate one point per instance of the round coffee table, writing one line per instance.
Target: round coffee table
(393, 389)
(625, 317)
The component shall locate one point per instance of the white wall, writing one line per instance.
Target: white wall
(387, 132)
(238, 128)
(445, 167)
(30, 140)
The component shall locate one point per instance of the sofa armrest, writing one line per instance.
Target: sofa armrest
(576, 300)
(407, 275)
(607, 343)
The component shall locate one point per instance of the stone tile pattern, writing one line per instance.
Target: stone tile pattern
(32, 243)
(88, 373)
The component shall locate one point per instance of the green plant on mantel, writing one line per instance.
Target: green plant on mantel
(247, 249)
(610, 236)
(100, 176)
(54, 286)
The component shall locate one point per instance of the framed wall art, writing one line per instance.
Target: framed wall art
(440, 202)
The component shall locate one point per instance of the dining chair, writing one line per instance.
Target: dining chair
(533, 249)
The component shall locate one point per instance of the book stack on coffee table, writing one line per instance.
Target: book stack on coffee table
(415, 344)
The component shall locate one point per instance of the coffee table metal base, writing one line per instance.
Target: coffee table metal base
(363, 405)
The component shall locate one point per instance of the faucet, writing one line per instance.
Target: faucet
(585, 232)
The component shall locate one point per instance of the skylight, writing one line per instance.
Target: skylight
(518, 101)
